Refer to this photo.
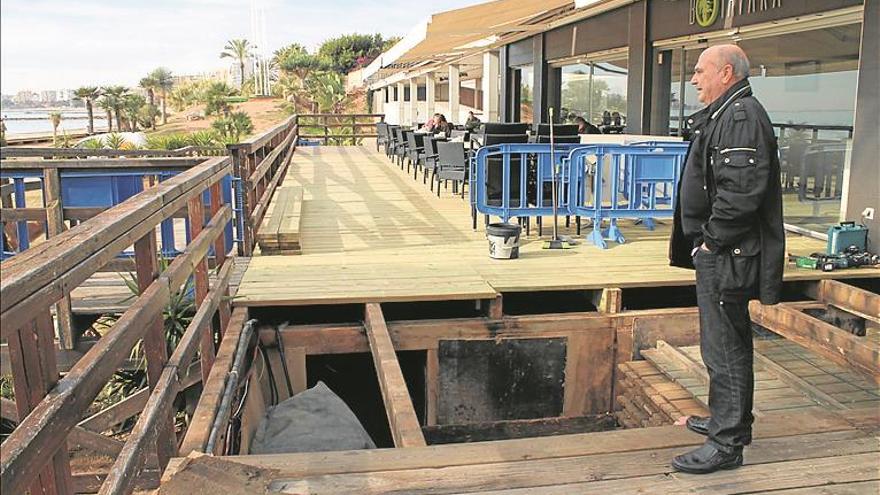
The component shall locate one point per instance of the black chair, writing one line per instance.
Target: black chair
(493, 133)
(400, 146)
(452, 164)
(391, 140)
(430, 159)
(382, 134)
(415, 151)
(562, 133)
(456, 133)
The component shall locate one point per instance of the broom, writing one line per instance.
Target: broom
(556, 242)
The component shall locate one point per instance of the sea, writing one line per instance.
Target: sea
(36, 120)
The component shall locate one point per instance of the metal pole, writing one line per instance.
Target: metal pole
(231, 385)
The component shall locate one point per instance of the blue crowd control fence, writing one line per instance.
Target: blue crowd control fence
(612, 182)
(504, 180)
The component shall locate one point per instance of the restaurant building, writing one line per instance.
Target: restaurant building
(814, 66)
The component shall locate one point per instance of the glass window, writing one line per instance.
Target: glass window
(527, 77)
(595, 91)
(807, 83)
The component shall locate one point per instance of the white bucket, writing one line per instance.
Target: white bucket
(503, 240)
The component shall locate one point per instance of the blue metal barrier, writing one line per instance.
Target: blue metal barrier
(642, 181)
(494, 193)
(104, 189)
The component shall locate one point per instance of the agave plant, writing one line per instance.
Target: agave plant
(92, 144)
(114, 141)
(233, 127)
(205, 139)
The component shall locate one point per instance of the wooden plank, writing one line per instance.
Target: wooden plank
(200, 278)
(432, 386)
(609, 301)
(291, 466)
(296, 366)
(813, 472)
(149, 163)
(402, 418)
(9, 215)
(853, 453)
(411, 335)
(588, 373)
(847, 297)
(203, 418)
(520, 428)
(838, 345)
(55, 226)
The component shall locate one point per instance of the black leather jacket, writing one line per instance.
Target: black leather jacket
(730, 197)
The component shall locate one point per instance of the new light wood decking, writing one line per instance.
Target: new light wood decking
(370, 233)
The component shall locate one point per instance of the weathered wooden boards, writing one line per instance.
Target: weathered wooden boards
(280, 230)
(787, 376)
(398, 405)
(805, 449)
(831, 342)
(646, 397)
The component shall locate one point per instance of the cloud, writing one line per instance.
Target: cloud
(53, 44)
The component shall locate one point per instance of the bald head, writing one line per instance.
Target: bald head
(718, 68)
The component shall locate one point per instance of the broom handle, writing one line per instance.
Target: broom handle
(553, 166)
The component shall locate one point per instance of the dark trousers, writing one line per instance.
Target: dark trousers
(726, 346)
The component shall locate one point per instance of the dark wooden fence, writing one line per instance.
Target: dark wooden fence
(342, 129)
(34, 456)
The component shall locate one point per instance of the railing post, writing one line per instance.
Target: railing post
(34, 373)
(200, 277)
(240, 200)
(220, 254)
(155, 346)
(55, 226)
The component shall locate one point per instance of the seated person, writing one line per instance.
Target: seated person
(472, 122)
(429, 125)
(441, 125)
(585, 127)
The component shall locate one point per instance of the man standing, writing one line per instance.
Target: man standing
(728, 226)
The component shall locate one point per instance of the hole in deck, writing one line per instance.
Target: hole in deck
(430, 310)
(659, 297)
(308, 315)
(353, 378)
(533, 303)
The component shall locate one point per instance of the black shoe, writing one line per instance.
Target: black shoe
(698, 424)
(707, 459)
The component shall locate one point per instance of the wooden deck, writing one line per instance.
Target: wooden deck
(370, 233)
(805, 451)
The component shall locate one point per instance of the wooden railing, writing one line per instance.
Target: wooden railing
(259, 165)
(34, 456)
(340, 129)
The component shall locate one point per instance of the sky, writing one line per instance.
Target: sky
(56, 44)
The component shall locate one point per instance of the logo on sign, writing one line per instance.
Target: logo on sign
(705, 12)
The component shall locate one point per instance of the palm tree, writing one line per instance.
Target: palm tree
(106, 104)
(238, 49)
(149, 85)
(164, 83)
(114, 95)
(133, 105)
(88, 94)
(55, 119)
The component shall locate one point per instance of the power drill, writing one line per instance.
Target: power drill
(851, 257)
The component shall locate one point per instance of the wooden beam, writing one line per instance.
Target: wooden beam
(79, 436)
(847, 297)
(432, 386)
(608, 300)
(398, 404)
(420, 335)
(55, 226)
(496, 308)
(151, 163)
(834, 343)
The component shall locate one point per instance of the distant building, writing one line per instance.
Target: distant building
(216, 75)
(25, 96)
(48, 96)
(235, 76)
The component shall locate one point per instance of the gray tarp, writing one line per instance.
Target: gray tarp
(311, 421)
